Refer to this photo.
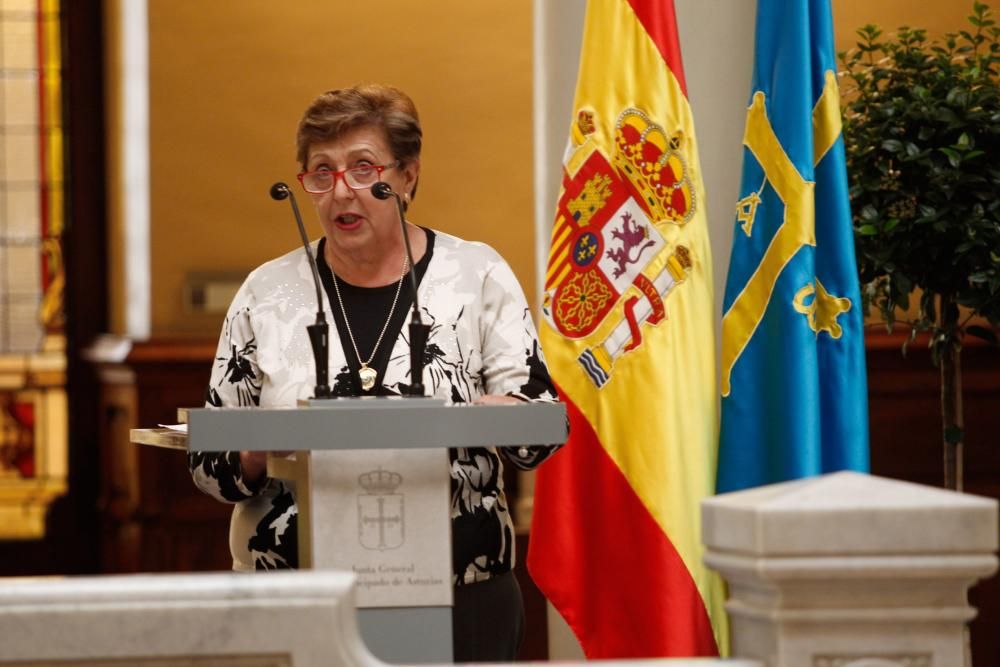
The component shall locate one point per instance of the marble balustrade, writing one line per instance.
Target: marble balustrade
(850, 570)
(845, 570)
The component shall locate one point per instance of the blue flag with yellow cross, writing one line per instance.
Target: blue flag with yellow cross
(793, 382)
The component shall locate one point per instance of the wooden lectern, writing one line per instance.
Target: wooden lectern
(372, 485)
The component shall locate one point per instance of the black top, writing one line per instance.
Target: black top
(367, 309)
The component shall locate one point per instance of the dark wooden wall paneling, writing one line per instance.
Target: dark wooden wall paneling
(906, 442)
(153, 517)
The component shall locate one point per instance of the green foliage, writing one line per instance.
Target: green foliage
(922, 134)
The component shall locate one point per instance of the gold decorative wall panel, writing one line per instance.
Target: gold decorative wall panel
(33, 414)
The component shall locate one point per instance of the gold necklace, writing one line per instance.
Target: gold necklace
(368, 374)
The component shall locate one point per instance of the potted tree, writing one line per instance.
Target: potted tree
(922, 135)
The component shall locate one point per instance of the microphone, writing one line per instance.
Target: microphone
(280, 191)
(419, 332)
(319, 333)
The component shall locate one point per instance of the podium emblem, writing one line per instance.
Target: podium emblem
(381, 524)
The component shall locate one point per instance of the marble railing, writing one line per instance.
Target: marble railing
(289, 619)
(850, 570)
(845, 570)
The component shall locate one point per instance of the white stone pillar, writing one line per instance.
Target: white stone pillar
(850, 570)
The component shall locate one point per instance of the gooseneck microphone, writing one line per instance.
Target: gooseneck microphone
(419, 332)
(319, 333)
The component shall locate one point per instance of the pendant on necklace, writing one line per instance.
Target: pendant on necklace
(367, 376)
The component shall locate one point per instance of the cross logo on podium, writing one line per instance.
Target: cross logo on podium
(381, 524)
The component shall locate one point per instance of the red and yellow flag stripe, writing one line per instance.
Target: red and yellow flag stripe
(615, 542)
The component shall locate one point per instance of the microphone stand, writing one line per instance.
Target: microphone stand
(319, 333)
(419, 332)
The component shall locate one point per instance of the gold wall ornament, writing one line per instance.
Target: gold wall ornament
(33, 411)
(33, 440)
(52, 312)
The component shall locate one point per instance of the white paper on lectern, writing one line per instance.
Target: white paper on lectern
(179, 428)
(392, 525)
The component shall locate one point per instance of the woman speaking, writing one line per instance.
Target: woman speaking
(482, 348)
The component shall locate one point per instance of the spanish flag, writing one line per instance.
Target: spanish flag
(628, 333)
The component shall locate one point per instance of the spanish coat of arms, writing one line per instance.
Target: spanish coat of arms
(605, 242)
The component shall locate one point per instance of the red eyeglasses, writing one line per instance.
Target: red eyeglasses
(357, 178)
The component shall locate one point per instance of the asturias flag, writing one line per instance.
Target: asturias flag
(793, 365)
(628, 333)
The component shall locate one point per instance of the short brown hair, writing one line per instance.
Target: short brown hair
(336, 112)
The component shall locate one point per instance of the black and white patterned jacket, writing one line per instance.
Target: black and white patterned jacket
(482, 341)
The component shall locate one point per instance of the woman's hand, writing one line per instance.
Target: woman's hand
(254, 466)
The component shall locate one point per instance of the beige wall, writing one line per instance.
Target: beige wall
(937, 17)
(229, 79)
